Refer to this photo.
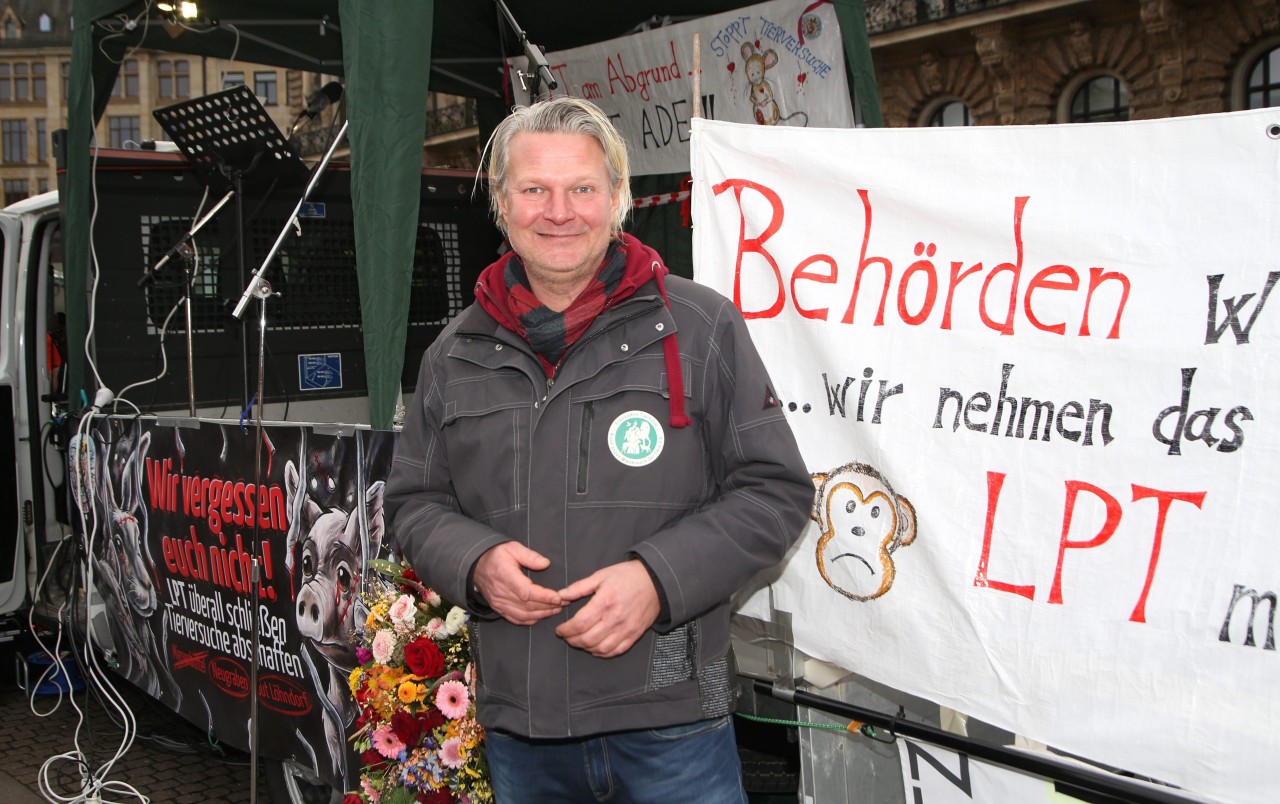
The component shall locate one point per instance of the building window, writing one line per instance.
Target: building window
(126, 80)
(21, 82)
(42, 141)
(66, 80)
(43, 184)
(39, 87)
(46, 23)
(173, 78)
(164, 79)
(264, 86)
(1264, 81)
(123, 128)
(954, 113)
(232, 79)
(10, 29)
(15, 141)
(16, 190)
(182, 78)
(1104, 97)
(6, 88)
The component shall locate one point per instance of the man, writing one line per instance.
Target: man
(593, 487)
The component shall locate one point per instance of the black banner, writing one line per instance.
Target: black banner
(174, 516)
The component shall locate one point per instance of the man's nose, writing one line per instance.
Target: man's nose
(559, 207)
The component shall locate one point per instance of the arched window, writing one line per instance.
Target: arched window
(1263, 88)
(1103, 97)
(954, 113)
(46, 23)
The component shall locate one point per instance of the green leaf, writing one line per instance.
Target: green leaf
(392, 569)
(399, 795)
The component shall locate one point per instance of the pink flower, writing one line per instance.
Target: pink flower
(363, 655)
(387, 743)
(402, 610)
(384, 644)
(451, 755)
(452, 699)
(435, 628)
(369, 790)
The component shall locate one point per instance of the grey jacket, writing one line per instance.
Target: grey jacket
(491, 451)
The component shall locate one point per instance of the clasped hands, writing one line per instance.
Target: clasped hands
(623, 604)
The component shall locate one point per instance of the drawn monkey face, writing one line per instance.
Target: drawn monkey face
(863, 522)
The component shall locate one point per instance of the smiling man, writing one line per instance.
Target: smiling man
(595, 461)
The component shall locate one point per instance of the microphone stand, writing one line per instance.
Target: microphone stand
(538, 69)
(149, 277)
(261, 289)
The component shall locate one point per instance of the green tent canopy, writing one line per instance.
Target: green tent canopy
(391, 55)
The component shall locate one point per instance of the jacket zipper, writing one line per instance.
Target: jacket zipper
(584, 445)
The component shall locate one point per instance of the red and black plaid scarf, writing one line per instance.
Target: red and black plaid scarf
(549, 332)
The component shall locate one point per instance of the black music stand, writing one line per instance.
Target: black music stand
(229, 139)
(229, 135)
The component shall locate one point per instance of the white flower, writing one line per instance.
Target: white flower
(384, 644)
(402, 610)
(454, 620)
(435, 628)
(433, 599)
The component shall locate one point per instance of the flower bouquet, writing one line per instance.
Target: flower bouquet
(416, 732)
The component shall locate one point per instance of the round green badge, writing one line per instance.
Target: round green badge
(635, 438)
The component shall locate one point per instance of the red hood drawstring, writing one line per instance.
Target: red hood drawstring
(642, 262)
(671, 356)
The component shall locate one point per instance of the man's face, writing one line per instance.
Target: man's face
(558, 206)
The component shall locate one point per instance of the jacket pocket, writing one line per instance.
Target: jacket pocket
(625, 450)
(485, 430)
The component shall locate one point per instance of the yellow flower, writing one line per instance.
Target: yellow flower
(353, 680)
(410, 692)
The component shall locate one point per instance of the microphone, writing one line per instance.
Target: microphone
(321, 99)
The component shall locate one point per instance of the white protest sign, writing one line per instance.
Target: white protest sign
(1035, 373)
(935, 775)
(777, 63)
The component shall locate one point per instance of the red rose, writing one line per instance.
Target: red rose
(407, 728)
(372, 759)
(352, 798)
(441, 796)
(424, 658)
(409, 582)
(431, 719)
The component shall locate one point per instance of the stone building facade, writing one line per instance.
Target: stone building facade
(1002, 62)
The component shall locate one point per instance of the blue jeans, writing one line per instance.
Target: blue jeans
(694, 762)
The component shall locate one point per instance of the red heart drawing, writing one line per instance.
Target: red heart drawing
(733, 65)
(802, 77)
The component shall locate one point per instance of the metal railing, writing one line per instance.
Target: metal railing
(890, 15)
(448, 119)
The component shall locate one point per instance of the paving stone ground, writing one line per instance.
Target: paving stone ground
(169, 762)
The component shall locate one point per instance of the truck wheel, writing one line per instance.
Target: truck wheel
(290, 783)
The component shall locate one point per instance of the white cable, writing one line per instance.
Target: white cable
(94, 782)
(127, 24)
(164, 327)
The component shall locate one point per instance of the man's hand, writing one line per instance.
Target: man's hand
(623, 605)
(500, 579)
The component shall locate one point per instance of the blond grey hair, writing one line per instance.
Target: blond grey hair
(560, 116)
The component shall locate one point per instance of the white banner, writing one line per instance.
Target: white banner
(1034, 371)
(935, 775)
(777, 63)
